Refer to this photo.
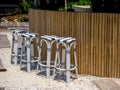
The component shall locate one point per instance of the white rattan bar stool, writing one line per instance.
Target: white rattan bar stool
(65, 67)
(49, 40)
(28, 56)
(15, 49)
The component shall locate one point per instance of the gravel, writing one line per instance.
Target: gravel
(16, 79)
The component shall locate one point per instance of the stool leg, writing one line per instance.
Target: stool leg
(16, 50)
(38, 65)
(39, 56)
(48, 59)
(55, 63)
(22, 50)
(67, 64)
(75, 57)
(63, 59)
(28, 57)
(21, 58)
(32, 50)
(32, 54)
(57, 60)
(12, 51)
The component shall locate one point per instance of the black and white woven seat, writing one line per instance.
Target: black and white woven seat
(19, 31)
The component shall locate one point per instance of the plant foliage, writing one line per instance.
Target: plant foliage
(26, 4)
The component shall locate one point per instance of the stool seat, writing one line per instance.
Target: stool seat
(33, 34)
(67, 40)
(25, 35)
(30, 35)
(50, 38)
(19, 31)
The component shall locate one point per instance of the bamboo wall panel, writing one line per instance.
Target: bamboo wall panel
(97, 36)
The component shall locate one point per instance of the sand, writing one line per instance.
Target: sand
(16, 79)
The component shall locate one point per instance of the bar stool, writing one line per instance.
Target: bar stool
(49, 40)
(28, 55)
(66, 66)
(15, 49)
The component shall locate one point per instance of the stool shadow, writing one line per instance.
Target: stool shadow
(43, 72)
(18, 62)
(62, 78)
(24, 67)
(59, 78)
